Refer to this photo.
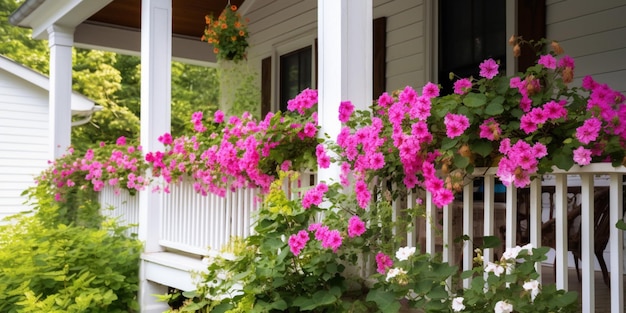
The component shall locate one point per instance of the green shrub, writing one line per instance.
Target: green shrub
(53, 267)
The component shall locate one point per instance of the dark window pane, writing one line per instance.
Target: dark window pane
(295, 74)
(470, 31)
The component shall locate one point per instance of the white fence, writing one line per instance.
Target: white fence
(192, 223)
(492, 214)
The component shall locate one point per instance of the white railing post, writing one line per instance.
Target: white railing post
(448, 245)
(534, 218)
(411, 235)
(587, 242)
(431, 215)
(616, 243)
(511, 217)
(560, 230)
(488, 212)
(468, 229)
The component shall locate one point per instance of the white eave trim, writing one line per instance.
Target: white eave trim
(39, 15)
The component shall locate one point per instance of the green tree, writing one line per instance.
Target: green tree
(113, 82)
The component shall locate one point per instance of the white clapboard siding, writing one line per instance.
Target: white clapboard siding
(405, 35)
(23, 140)
(405, 42)
(594, 34)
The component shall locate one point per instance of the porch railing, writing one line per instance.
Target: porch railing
(495, 214)
(192, 223)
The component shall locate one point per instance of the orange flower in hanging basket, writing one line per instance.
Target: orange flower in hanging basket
(228, 34)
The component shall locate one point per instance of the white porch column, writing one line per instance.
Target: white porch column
(60, 41)
(345, 64)
(156, 56)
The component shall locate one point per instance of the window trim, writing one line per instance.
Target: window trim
(289, 46)
(431, 38)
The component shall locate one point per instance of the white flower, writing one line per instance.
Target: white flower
(457, 304)
(529, 248)
(503, 307)
(511, 253)
(533, 287)
(393, 272)
(495, 268)
(404, 253)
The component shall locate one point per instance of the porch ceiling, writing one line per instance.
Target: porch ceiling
(187, 15)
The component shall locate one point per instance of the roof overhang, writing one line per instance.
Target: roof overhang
(115, 25)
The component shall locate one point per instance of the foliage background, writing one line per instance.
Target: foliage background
(112, 80)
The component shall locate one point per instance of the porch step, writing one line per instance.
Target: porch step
(172, 269)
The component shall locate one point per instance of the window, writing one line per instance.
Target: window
(470, 32)
(295, 74)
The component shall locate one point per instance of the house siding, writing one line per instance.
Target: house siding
(594, 34)
(23, 139)
(405, 36)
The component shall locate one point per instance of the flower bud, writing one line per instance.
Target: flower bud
(517, 51)
(465, 150)
(556, 48)
(568, 75)
(513, 40)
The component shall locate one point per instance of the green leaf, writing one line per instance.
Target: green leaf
(447, 143)
(566, 299)
(474, 100)
(318, 299)
(564, 159)
(460, 161)
(385, 300)
(491, 242)
(621, 225)
(495, 106)
(482, 147)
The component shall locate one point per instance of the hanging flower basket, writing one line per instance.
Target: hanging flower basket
(228, 34)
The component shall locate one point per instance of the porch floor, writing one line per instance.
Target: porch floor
(603, 292)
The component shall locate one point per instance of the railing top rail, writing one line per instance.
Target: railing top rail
(593, 168)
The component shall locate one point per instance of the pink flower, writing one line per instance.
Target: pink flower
(298, 241)
(383, 262)
(554, 110)
(285, 166)
(408, 95)
(218, 117)
(589, 131)
(582, 156)
(456, 124)
(566, 61)
(356, 227)
(165, 139)
(363, 195)
(488, 69)
(332, 240)
(490, 129)
(443, 197)
(345, 110)
(548, 61)
(430, 90)
(385, 100)
(322, 158)
(462, 86)
(121, 141)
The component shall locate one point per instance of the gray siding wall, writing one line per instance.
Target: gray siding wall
(23, 139)
(594, 34)
(280, 26)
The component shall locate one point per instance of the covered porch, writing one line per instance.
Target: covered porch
(181, 228)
